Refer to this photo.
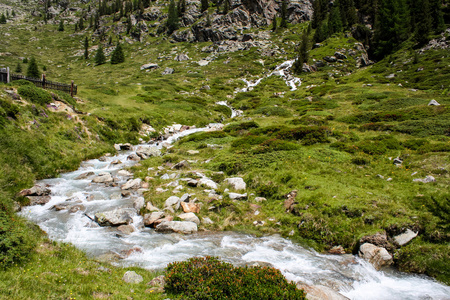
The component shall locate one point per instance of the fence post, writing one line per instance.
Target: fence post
(7, 75)
(71, 89)
(43, 81)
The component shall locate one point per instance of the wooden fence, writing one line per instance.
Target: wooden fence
(6, 76)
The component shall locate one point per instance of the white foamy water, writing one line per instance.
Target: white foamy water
(283, 70)
(347, 274)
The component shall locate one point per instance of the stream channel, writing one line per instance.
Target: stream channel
(350, 275)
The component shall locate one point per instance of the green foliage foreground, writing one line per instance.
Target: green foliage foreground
(208, 278)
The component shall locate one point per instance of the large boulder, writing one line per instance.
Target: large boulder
(236, 183)
(132, 184)
(146, 152)
(172, 201)
(377, 256)
(116, 217)
(151, 218)
(103, 177)
(36, 190)
(184, 227)
(208, 183)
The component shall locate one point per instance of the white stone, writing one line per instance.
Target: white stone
(172, 201)
(406, 237)
(132, 184)
(236, 183)
(132, 277)
(191, 217)
(208, 183)
(177, 226)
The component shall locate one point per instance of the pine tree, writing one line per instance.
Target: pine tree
(437, 24)
(13, 13)
(172, 18)
(321, 33)
(2, 19)
(319, 12)
(18, 68)
(117, 55)
(99, 56)
(86, 48)
(274, 23)
(129, 25)
(302, 54)
(204, 5)
(424, 21)
(283, 13)
(226, 7)
(61, 26)
(33, 70)
(335, 20)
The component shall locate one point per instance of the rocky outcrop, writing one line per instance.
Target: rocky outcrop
(146, 152)
(37, 195)
(377, 256)
(184, 227)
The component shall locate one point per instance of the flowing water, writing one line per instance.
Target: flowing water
(283, 70)
(348, 274)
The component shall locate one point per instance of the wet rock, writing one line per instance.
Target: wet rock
(75, 208)
(377, 256)
(116, 162)
(103, 177)
(190, 207)
(132, 277)
(406, 237)
(124, 173)
(184, 227)
(378, 239)
(59, 207)
(146, 152)
(236, 183)
(132, 184)
(114, 217)
(133, 157)
(102, 159)
(38, 200)
(427, 179)
(181, 165)
(149, 66)
(85, 175)
(236, 196)
(125, 147)
(433, 103)
(126, 229)
(36, 190)
(150, 219)
(337, 250)
(191, 217)
(320, 292)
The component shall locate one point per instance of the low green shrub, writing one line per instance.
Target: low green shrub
(223, 110)
(34, 94)
(273, 111)
(414, 144)
(208, 278)
(8, 109)
(236, 128)
(201, 136)
(308, 134)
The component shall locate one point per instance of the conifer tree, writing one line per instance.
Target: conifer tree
(61, 26)
(319, 10)
(321, 33)
(204, 5)
(274, 23)
(437, 24)
(283, 13)
(226, 7)
(302, 56)
(86, 48)
(117, 55)
(13, 13)
(99, 56)
(424, 21)
(33, 70)
(129, 25)
(172, 18)
(18, 68)
(335, 20)
(2, 19)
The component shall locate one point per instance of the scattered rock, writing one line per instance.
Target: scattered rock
(378, 239)
(181, 165)
(124, 147)
(320, 292)
(126, 229)
(260, 199)
(172, 201)
(236, 183)
(290, 201)
(184, 227)
(406, 237)
(138, 203)
(84, 175)
(133, 157)
(330, 59)
(236, 196)
(390, 76)
(190, 207)
(167, 71)
(132, 277)
(132, 184)
(207, 220)
(433, 103)
(181, 57)
(36, 190)
(149, 66)
(191, 217)
(103, 177)
(193, 152)
(146, 152)
(150, 219)
(208, 183)
(38, 200)
(339, 55)
(337, 250)
(116, 217)
(75, 208)
(158, 281)
(124, 173)
(192, 183)
(150, 207)
(397, 161)
(377, 256)
(427, 179)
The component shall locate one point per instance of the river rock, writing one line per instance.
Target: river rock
(236, 183)
(132, 277)
(377, 256)
(151, 218)
(146, 152)
(191, 217)
(132, 184)
(114, 217)
(124, 173)
(84, 175)
(208, 183)
(149, 66)
(126, 229)
(36, 190)
(320, 292)
(405, 237)
(126, 146)
(185, 227)
(138, 203)
(77, 207)
(337, 250)
(103, 177)
(378, 239)
(236, 196)
(190, 207)
(172, 201)
(133, 157)
(59, 207)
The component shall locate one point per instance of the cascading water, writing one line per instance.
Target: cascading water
(349, 275)
(283, 70)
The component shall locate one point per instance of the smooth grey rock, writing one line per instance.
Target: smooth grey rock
(406, 237)
(126, 229)
(208, 183)
(146, 152)
(236, 183)
(132, 184)
(377, 256)
(132, 277)
(103, 177)
(124, 173)
(172, 201)
(150, 219)
(116, 217)
(185, 198)
(191, 217)
(185, 227)
(149, 66)
(236, 196)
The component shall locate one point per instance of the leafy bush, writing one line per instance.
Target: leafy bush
(8, 109)
(208, 278)
(34, 94)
